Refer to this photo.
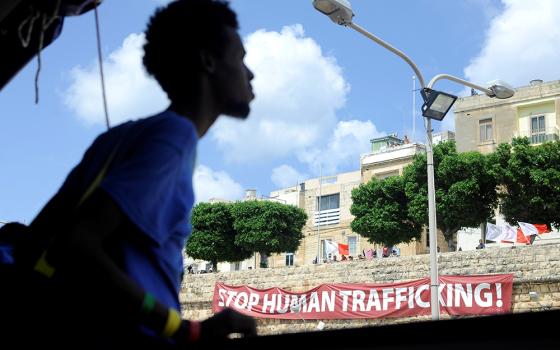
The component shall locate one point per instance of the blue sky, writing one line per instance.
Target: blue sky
(322, 90)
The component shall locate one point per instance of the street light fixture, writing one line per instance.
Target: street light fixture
(339, 11)
(436, 103)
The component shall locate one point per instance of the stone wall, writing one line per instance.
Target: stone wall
(535, 268)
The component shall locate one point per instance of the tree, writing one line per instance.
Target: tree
(530, 181)
(268, 227)
(213, 235)
(380, 209)
(465, 189)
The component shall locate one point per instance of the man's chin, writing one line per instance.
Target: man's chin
(240, 111)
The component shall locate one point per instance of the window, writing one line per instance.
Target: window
(538, 131)
(237, 266)
(486, 132)
(289, 259)
(328, 210)
(331, 201)
(352, 245)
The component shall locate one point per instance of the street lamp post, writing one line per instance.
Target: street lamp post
(436, 105)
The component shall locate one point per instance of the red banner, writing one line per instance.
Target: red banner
(458, 295)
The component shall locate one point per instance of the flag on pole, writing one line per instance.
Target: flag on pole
(509, 234)
(343, 249)
(493, 232)
(528, 229)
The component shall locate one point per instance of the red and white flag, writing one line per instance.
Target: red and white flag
(343, 249)
(331, 247)
(528, 229)
(509, 233)
(542, 228)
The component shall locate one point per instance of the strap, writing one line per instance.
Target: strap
(97, 181)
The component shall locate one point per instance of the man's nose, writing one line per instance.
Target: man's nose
(250, 74)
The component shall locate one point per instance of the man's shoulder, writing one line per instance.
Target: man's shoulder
(165, 126)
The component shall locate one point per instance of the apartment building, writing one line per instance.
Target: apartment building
(482, 123)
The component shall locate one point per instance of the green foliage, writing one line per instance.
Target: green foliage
(380, 208)
(213, 236)
(465, 189)
(530, 178)
(268, 227)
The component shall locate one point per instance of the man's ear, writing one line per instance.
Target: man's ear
(207, 61)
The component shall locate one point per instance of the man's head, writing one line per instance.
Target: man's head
(193, 45)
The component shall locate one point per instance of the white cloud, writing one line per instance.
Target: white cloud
(286, 176)
(522, 43)
(298, 90)
(131, 93)
(210, 184)
(348, 141)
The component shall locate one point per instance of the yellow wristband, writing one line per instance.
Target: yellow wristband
(173, 323)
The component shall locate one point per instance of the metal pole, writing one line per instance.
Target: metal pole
(413, 108)
(432, 224)
(434, 282)
(318, 215)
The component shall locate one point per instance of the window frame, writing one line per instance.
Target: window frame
(290, 259)
(538, 135)
(487, 123)
(321, 200)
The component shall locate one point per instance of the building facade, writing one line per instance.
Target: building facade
(327, 201)
(482, 123)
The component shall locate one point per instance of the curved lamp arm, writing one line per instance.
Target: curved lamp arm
(460, 81)
(390, 48)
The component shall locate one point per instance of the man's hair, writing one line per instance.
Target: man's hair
(175, 36)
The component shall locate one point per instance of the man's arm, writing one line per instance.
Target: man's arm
(98, 220)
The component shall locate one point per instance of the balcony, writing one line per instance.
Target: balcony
(390, 154)
(544, 135)
(326, 217)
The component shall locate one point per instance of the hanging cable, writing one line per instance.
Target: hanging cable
(100, 58)
(46, 22)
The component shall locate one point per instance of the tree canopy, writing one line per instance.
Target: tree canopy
(380, 209)
(268, 227)
(213, 235)
(530, 181)
(465, 189)
(234, 231)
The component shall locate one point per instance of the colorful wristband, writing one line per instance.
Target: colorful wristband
(148, 304)
(194, 331)
(172, 324)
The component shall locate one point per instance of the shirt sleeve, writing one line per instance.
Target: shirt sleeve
(153, 185)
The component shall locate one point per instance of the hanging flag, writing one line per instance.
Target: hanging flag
(528, 229)
(521, 237)
(542, 228)
(509, 234)
(330, 247)
(493, 232)
(343, 249)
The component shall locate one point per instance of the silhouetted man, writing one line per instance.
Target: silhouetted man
(121, 218)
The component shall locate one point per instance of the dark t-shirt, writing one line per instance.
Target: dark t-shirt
(150, 179)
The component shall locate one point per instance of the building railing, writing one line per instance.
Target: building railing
(326, 217)
(551, 133)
